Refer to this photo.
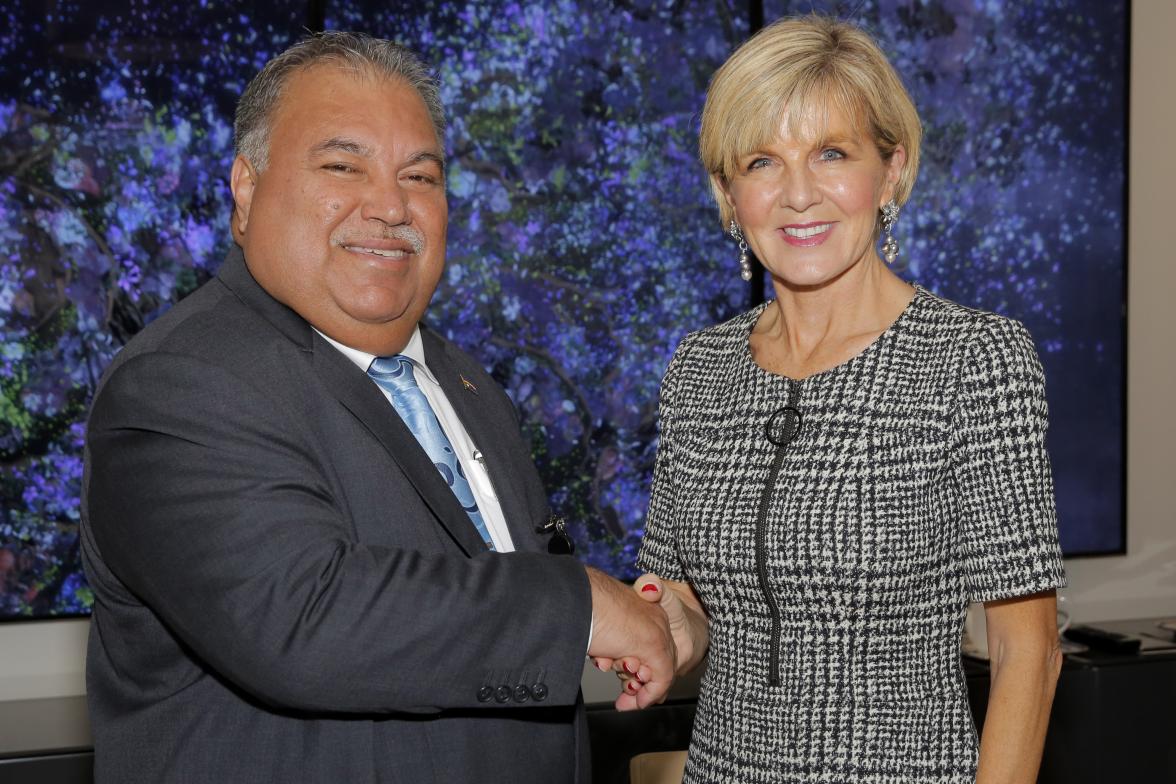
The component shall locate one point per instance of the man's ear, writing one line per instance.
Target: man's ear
(242, 182)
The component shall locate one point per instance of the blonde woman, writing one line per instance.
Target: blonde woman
(843, 469)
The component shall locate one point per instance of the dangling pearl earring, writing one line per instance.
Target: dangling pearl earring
(744, 259)
(889, 218)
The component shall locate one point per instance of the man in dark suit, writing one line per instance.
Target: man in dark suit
(312, 527)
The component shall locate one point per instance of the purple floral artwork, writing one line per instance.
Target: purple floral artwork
(583, 241)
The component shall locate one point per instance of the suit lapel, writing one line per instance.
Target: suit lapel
(363, 399)
(484, 427)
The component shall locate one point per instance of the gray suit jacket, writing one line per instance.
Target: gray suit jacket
(286, 590)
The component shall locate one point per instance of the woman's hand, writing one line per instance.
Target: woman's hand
(688, 626)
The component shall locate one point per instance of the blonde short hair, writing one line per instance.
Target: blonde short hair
(798, 64)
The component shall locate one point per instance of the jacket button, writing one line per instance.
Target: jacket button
(502, 694)
(485, 693)
(521, 693)
(539, 692)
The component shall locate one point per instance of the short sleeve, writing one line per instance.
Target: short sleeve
(659, 547)
(1001, 468)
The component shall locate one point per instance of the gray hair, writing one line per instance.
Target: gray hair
(356, 51)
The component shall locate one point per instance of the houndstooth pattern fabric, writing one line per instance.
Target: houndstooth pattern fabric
(918, 482)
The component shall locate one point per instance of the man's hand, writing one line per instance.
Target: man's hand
(688, 626)
(623, 625)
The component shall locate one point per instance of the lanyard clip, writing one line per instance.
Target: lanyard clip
(560, 543)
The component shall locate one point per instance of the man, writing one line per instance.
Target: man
(312, 527)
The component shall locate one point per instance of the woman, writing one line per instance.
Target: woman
(842, 470)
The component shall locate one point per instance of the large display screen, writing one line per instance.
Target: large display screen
(582, 244)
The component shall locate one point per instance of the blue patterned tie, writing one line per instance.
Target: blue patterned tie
(395, 374)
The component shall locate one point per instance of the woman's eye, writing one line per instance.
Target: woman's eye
(832, 154)
(758, 163)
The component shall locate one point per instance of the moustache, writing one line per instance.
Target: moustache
(403, 233)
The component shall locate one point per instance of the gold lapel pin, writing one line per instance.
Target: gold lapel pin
(465, 382)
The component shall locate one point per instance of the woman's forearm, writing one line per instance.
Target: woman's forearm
(695, 627)
(1019, 701)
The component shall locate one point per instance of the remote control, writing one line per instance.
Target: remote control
(1103, 640)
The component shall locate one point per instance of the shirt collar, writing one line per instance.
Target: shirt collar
(415, 351)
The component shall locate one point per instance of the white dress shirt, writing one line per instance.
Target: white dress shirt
(472, 463)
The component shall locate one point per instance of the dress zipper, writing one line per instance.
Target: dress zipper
(782, 428)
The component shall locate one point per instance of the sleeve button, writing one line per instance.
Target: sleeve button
(502, 694)
(485, 693)
(521, 693)
(539, 692)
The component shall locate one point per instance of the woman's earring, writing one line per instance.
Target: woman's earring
(744, 258)
(889, 218)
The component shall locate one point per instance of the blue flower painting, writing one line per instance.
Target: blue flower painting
(583, 243)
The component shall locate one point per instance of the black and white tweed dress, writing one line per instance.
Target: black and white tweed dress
(918, 481)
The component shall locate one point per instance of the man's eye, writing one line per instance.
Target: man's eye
(342, 168)
(423, 178)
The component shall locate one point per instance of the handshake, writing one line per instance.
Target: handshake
(648, 634)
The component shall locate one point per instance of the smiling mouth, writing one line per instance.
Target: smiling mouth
(391, 253)
(804, 232)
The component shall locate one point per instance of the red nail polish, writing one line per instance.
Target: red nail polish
(648, 587)
(626, 666)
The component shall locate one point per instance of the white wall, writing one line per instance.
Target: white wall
(44, 659)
